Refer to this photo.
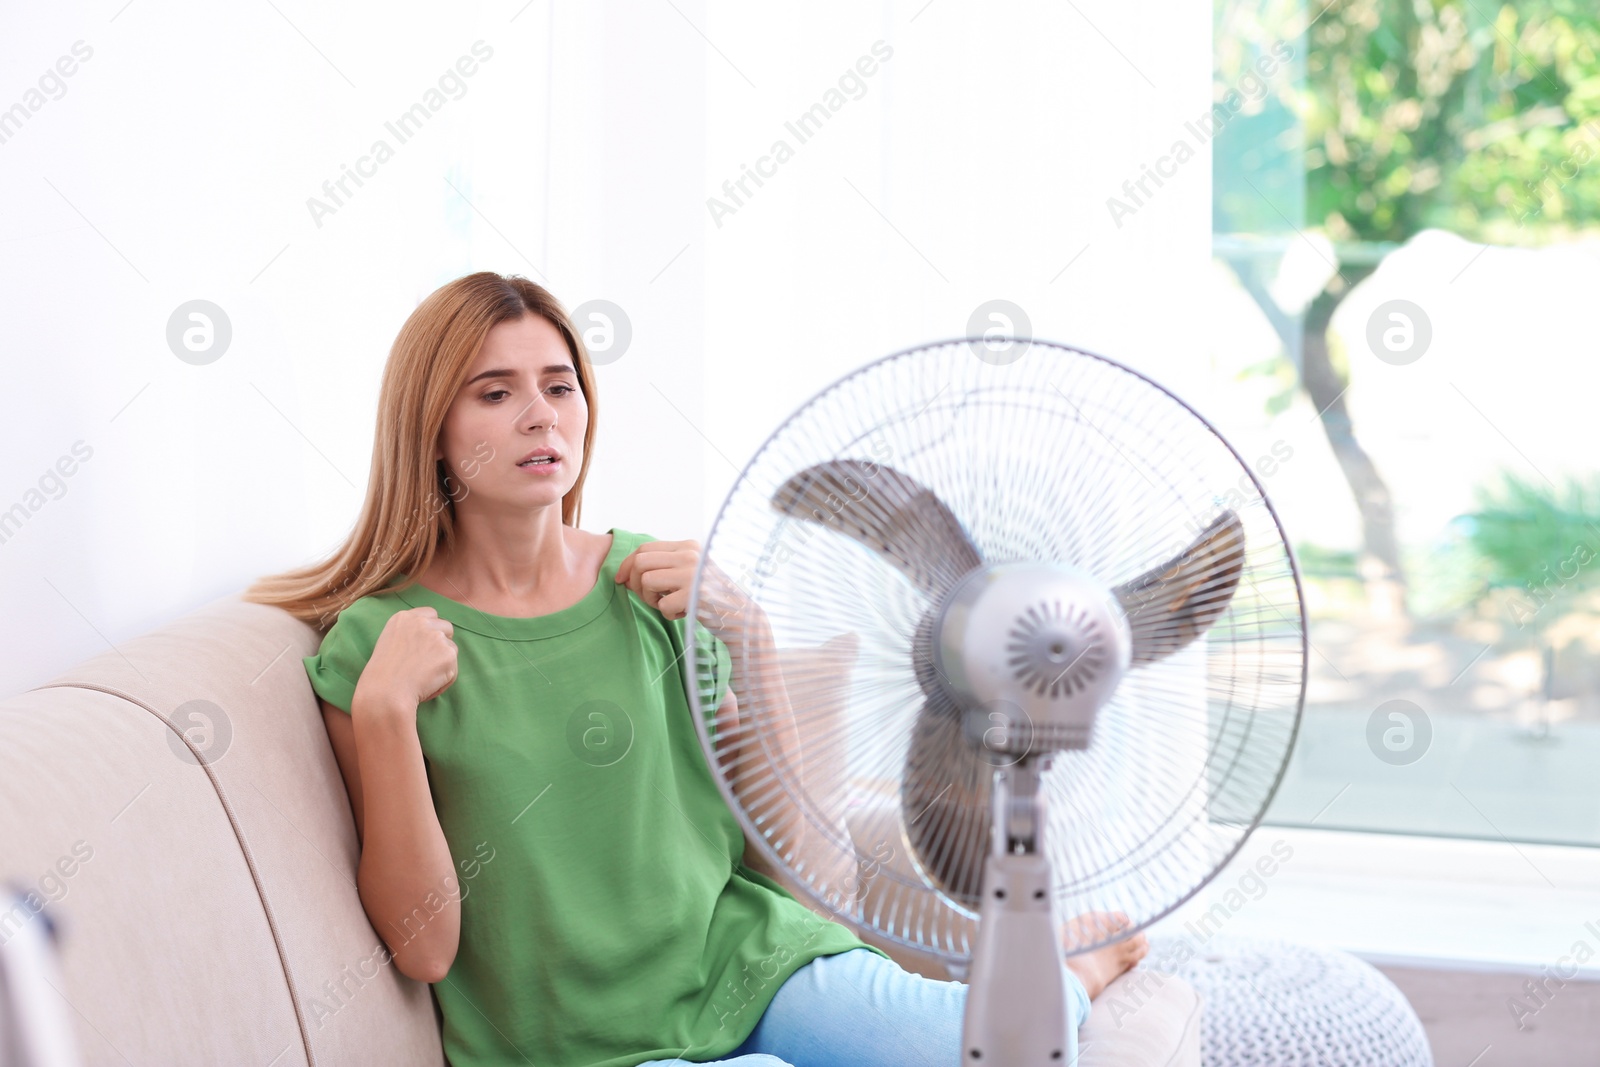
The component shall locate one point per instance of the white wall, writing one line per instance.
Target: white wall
(178, 160)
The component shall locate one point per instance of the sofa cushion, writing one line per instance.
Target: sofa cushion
(268, 804)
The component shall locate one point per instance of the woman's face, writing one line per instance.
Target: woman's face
(521, 396)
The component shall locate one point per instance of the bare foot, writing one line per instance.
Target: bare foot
(1099, 968)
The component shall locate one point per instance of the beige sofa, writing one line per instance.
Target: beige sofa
(207, 911)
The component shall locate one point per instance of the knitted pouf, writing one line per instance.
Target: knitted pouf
(1269, 1003)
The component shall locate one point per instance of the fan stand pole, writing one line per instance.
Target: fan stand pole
(1016, 1013)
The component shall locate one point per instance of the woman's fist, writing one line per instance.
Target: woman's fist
(414, 659)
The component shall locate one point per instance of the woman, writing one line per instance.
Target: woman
(541, 836)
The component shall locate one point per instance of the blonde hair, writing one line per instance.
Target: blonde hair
(409, 511)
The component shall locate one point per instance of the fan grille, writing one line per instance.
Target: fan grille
(1061, 456)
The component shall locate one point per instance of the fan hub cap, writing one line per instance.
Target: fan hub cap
(1031, 650)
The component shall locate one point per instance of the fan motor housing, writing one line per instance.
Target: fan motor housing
(1030, 651)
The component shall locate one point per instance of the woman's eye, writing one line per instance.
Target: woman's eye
(493, 394)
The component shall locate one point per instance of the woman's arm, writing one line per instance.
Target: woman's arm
(774, 750)
(406, 876)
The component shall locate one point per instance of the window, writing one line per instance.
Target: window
(1405, 202)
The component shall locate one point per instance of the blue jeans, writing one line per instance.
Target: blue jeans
(857, 1009)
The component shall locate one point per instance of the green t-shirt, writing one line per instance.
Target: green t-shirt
(606, 916)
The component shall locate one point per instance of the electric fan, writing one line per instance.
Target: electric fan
(1065, 652)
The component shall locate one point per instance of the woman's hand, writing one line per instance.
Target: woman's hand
(661, 572)
(413, 661)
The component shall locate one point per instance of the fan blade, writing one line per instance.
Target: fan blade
(945, 800)
(946, 785)
(1175, 602)
(889, 512)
